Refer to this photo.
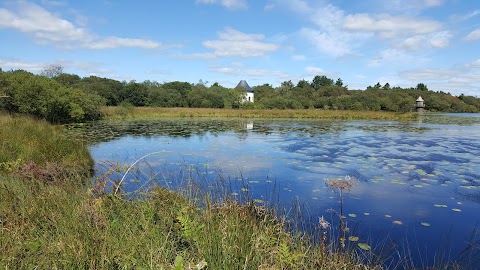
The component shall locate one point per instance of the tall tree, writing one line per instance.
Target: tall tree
(52, 71)
(422, 87)
(321, 81)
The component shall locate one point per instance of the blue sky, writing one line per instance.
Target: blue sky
(402, 42)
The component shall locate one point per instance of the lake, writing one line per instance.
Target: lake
(418, 182)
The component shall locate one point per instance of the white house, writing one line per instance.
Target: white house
(249, 91)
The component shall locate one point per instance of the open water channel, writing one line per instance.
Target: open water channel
(418, 185)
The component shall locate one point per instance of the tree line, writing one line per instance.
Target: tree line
(61, 97)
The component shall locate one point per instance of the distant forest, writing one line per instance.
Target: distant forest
(61, 98)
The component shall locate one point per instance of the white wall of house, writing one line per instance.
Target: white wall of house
(248, 97)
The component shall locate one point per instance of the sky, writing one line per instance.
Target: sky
(402, 42)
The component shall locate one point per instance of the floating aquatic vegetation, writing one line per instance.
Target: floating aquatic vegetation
(440, 205)
(364, 246)
(258, 201)
(353, 238)
(352, 215)
(456, 210)
(425, 224)
(388, 216)
(397, 222)
(418, 186)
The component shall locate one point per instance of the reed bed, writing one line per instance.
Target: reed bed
(140, 113)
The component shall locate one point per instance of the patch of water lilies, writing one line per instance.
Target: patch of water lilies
(425, 224)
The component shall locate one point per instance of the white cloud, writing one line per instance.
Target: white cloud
(395, 57)
(388, 26)
(233, 43)
(313, 71)
(49, 29)
(434, 40)
(14, 64)
(269, 7)
(409, 6)
(246, 72)
(474, 35)
(465, 17)
(328, 35)
(454, 80)
(230, 4)
(36, 67)
(474, 64)
(299, 57)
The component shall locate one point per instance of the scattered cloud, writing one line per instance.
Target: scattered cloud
(474, 35)
(395, 57)
(233, 43)
(456, 80)
(299, 57)
(36, 67)
(435, 40)
(465, 17)
(50, 29)
(388, 26)
(269, 7)
(409, 6)
(230, 4)
(313, 71)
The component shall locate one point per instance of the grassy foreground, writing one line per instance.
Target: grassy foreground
(146, 113)
(50, 219)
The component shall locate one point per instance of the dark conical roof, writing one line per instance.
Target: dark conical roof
(245, 85)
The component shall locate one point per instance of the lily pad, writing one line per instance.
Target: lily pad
(418, 186)
(397, 222)
(425, 224)
(440, 205)
(353, 238)
(352, 215)
(456, 210)
(364, 246)
(388, 216)
(366, 214)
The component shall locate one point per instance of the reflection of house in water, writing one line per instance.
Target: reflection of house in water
(249, 95)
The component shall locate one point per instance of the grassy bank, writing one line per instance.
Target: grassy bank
(145, 113)
(50, 220)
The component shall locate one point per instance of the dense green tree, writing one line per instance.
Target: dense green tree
(321, 81)
(287, 84)
(339, 82)
(422, 87)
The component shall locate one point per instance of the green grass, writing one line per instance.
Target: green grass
(145, 113)
(26, 141)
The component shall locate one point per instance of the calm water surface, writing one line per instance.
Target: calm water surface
(419, 182)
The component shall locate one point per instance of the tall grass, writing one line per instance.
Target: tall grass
(146, 113)
(25, 140)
